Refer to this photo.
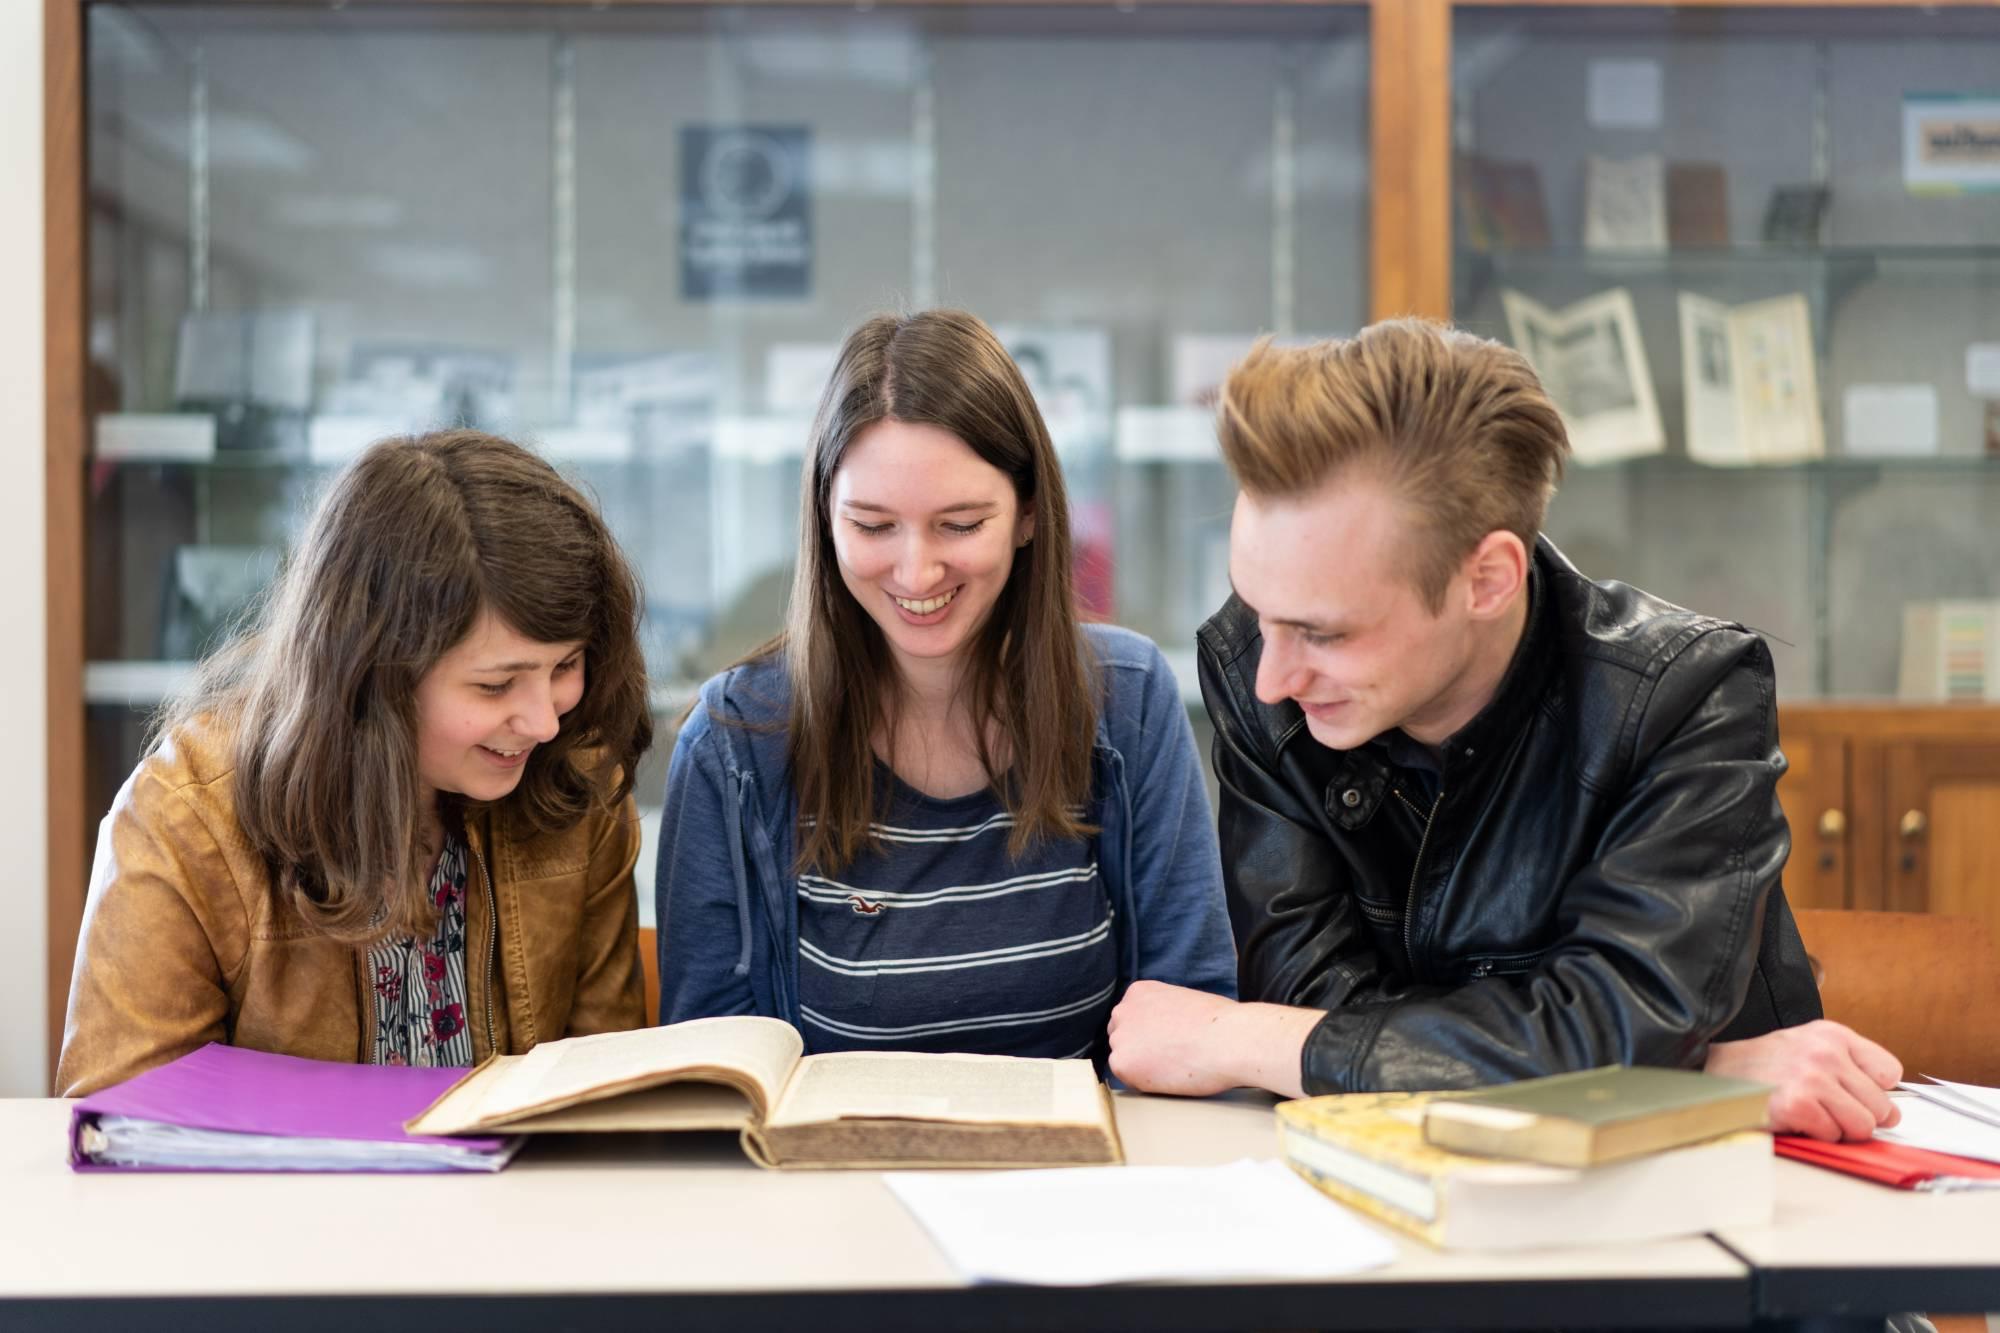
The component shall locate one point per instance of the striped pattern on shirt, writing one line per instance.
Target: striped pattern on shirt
(419, 985)
(941, 941)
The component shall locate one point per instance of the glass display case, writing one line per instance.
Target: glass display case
(1754, 249)
(634, 237)
(1755, 253)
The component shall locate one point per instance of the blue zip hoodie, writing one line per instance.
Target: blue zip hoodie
(727, 906)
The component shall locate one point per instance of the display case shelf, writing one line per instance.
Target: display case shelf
(1791, 289)
(146, 685)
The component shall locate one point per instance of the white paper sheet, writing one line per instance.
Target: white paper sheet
(1968, 1099)
(1926, 1124)
(1086, 1225)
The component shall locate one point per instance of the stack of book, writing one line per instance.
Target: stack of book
(1603, 1156)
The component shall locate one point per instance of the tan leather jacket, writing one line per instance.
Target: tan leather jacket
(185, 942)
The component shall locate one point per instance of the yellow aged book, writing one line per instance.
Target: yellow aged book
(1596, 1115)
(750, 1075)
(1368, 1151)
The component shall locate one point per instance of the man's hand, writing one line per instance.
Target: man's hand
(1829, 1079)
(1188, 1042)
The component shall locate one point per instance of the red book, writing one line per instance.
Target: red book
(1895, 1164)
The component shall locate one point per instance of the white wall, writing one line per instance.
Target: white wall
(23, 625)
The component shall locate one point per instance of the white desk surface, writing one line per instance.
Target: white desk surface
(1838, 1241)
(663, 1213)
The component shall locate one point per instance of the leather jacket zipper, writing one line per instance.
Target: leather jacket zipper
(1416, 868)
(1382, 914)
(492, 946)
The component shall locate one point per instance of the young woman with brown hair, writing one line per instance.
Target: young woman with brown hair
(391, 823)
(936, 813)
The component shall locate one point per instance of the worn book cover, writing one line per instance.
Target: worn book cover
(750, 1075)
(1596, 1115)
(1625, 203)
(1368, 1151)
(1697, 204)
(1501, 206)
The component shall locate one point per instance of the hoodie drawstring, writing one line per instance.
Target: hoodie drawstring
(732, 819)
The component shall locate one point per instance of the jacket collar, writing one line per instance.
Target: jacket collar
(1526, 681)
(1358, 780)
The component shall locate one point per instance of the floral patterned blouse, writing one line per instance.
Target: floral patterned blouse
(420, 984)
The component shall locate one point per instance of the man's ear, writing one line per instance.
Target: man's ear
(1496, 573)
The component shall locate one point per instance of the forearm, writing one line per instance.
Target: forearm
(1187, 1042)
(1266, 1041)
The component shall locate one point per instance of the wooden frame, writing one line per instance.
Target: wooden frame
(68, 428)
(1409, 270)
(1410, 159)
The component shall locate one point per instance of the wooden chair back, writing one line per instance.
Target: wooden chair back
(1926, 987)
(649, 962)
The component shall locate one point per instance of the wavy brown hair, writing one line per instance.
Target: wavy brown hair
(410, 543)
(1029, 680)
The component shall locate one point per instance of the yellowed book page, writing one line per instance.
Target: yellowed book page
(676, 1106)
(965, 1089)
(562, 1073)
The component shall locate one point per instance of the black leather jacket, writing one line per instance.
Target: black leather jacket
(1595, 883)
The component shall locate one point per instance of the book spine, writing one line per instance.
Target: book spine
(757, 1148)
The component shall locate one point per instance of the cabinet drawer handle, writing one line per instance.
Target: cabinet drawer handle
(1913, 824)
(1832, 823)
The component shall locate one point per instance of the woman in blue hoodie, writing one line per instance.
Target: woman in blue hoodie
(936, 813)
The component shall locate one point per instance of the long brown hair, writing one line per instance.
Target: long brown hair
(407, 547)
(1029, 680)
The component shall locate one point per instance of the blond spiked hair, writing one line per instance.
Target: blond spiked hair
(1457, 426)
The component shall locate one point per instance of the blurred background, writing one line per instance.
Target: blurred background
(1753, 251)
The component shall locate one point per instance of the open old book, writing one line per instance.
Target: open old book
(749, 1074)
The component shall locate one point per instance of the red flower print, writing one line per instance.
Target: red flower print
(446, 1022)
(433, 966)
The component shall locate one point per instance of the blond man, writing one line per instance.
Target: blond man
(1482, 818)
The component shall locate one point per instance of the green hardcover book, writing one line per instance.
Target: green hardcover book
(1596, 1116)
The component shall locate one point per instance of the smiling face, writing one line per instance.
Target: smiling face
(924, 532)
(1346, 633)
(487, 703)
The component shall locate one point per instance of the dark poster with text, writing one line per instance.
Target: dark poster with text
(746, 212)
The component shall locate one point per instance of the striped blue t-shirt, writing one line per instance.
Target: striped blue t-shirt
(941, 941)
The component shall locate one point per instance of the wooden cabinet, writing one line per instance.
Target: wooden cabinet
(1942, 844)
(1818, 806)
(1893, 807)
